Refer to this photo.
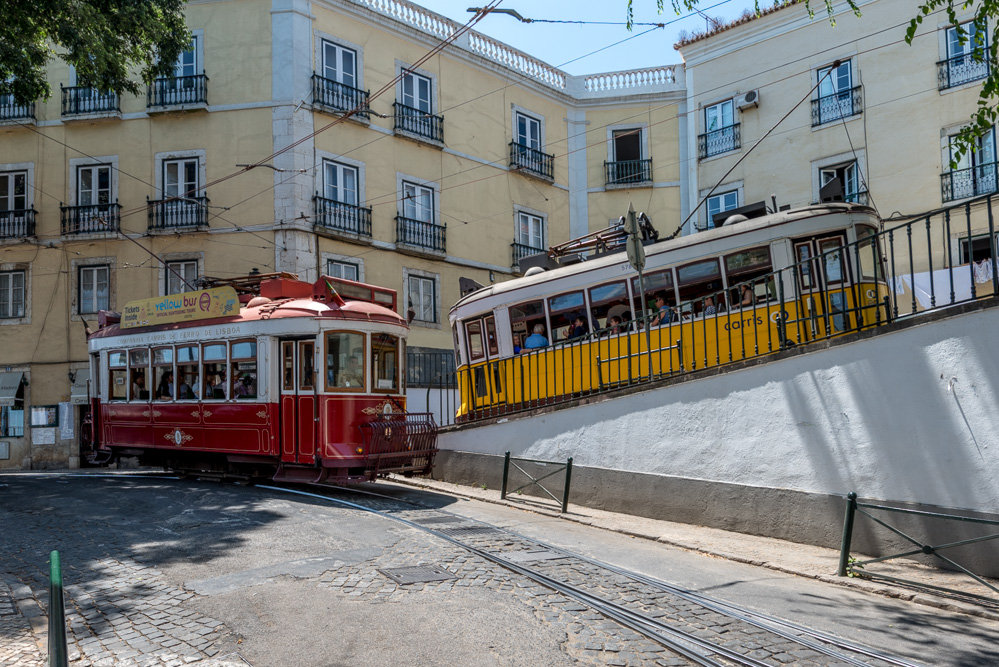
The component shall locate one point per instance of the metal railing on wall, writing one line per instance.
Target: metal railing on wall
(555, 469)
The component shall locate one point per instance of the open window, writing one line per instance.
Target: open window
(118, 376)
(243, 369)
(610, 301)
(563, 311)
(524, 319)
(744, 269)
(658, 281)
(697, 282)
(138, 371)
(214, 357)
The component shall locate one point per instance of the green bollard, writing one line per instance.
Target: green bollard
(844, 550)
(57, 615)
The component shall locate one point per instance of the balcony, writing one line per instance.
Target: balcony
(13, 111)
(520, 251)
(342, 219)
(962, 69)
(421, 235)
(963, 183)
(532, 161)
(177, 213)
(336, 96)
(17, 224)
(843, 104)
(419, 124)
(178, 91)
(628, 172)
(720, 141)
(96, 219)
(89, 103)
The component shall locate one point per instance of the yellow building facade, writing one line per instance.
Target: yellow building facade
(331, 137)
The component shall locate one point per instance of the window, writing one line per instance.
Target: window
(345, 270)
(848, 188)
(118, 364)
(181, 276)
(339, 64)
(11, 294)
(166, 387)
(345, 361)
(528, 131)
(12, 416)
(836, 97)
(417, 202)
(531, 230)
(187, 373)
(423, 298)
(385, 359)
(138, 365)
(180, 178)
(721, 133)
(243, 369)
(416, 92)
(966, 56)
(340, 182)
(94, 289)
(980, 249)
(975, 173)
(214, 357)
(628, 145)
(720, 203)
(93, 185)
(187, 63)
(13, 191)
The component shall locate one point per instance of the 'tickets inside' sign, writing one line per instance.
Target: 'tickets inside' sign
(188, 306)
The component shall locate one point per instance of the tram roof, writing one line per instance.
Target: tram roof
(774, 220)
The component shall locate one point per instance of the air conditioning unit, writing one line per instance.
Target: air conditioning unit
(750, 99)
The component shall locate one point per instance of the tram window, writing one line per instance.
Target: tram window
(806, 265)
(749, 266)
(163, 373)
(524, 317)
(384, 356)
(118, 391)
(660, 281)
(562, 311)
(138, 371)
(288, 366)
(491, 336)
(607, 301)
(345, 361)
(834, 259)
(306, 374)
(474, 332)
(243, 369)
(188, 380)
(213, 355)
(867, 251)
(698, 281)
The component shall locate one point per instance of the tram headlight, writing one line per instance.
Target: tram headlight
(359, 450)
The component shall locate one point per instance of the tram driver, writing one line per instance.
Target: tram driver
(352, 375)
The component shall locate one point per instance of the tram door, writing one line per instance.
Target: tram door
(299, 424)
(824, 279)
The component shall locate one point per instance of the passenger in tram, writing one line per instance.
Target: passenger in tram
(518, 346)
(165, 389)
(615, 324)
(578, 328)
(665, 313)
(352, 375)
(747, 296)
(215, 387)
(536, 339)
(247, 387)
(709, 306)
(187, 391)
(139, 391)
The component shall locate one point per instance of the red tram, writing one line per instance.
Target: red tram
(260, 377)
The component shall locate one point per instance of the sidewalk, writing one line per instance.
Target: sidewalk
(798, 559)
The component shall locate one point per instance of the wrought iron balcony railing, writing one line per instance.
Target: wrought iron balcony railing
(90, 219)
(719, 141)
(421, 234)
(77, 100)
(842, 104)
(339, 96)
(971, 182)
(177, 212)
(520, 251)
(532, 160)
(628, 172)
(418, 122)
(178, 91)
(339, 217)
(11, 109)
(962, 69)
(18, 223)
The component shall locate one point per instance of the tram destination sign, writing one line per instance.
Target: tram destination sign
(185, 307)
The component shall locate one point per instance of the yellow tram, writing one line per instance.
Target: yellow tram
(748, 288)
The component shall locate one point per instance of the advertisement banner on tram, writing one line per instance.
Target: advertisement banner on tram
(184, 307)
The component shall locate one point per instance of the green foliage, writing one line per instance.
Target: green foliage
(105, 40)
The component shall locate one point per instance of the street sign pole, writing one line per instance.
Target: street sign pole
(636, 256)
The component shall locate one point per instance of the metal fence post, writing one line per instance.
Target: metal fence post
(844, 550)
(58, 656)
(565, 493)
(506, 474)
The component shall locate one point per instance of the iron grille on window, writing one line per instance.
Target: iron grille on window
(719, 141)
(82, 100)
(841, 104)
(340, 217)
(420, 234)
(10, 109)
(625, 172)
(532, 160)
(971, 182)
(520, 251)
(177, 213)
(17, 224)
(420, 123)
(961, 69)
(176, 91)
(339, 96)
(90, 219)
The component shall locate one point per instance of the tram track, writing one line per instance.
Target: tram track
(700, 629)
